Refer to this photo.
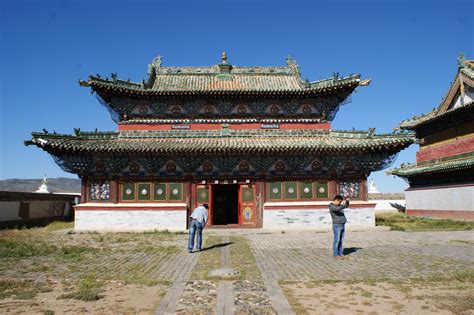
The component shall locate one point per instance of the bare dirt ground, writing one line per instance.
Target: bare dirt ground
(395, 297)
(117, 299)
(53, 270)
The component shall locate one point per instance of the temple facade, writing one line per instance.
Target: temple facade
(442, 179)
(255, 143)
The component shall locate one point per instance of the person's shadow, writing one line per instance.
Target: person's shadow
(350, 250)
(217, 246)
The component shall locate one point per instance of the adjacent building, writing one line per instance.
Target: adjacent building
(442, 180)
(255, 143)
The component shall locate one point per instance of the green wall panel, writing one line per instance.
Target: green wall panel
(275, 191)
(159, 191)
(202, 194)
(128, 191)
(322, 190)
(176, 191)
(306, 190)
(247, 194)
(144, 191)
(291, 191)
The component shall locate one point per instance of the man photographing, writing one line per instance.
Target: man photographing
(336, 208)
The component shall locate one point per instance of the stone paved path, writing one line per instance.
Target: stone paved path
(306, 255)
(184, 266)
(225, 292)
(374, 254)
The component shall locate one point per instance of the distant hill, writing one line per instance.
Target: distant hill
(61, 184)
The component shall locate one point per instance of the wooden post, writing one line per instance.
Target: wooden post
(84, 190)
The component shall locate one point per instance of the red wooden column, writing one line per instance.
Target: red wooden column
(363, 190)
(114, 191)
(84, 190)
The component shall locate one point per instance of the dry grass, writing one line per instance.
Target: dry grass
(243, 260)
(209, 258)
(80, 263)
(402, 222)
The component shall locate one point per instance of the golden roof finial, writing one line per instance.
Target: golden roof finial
(224, 57)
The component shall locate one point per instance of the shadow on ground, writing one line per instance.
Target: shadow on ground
(350, 250)
(217, 246)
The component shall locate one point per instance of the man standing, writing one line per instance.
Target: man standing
(338, 224)
(198, 220)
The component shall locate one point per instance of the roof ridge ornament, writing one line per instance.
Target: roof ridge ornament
(224, 67)
(461, 60)
(291, 62)
(153, 69)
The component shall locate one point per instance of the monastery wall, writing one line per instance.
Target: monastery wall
(286, 216)
(456, 201)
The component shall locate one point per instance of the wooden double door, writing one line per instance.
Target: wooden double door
(229, 204)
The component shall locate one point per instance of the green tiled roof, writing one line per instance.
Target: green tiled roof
(433, 116)
(216, 142)
(439, 167)
(465, 68)
(212, 80)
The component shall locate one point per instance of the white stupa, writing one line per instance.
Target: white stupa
(43, 189)
(372, 188)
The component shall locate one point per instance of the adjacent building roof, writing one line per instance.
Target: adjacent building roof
(464, 78)
(411, 170)
(217, 142)
(223, 78)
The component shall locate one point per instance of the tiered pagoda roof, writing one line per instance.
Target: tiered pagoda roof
(461, 163)
(222, 80)
(457, 107)
(463, 80)
(218, 142)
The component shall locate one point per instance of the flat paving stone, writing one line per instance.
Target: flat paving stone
(391, 254)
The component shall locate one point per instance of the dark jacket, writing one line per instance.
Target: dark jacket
(337, 213)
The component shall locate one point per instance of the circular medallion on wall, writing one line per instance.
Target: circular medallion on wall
(274, 110)
(144, 192)
(291, 190)
(241, 110)
(244, 167)
(143, 110)
(316, 166)
(275, 190)
(176, 110)
(207, 167)
(170, 167)
(322, 190)
(159, 191)
(306, 109)
(175, 191)
(208, 110)
(134, 168)
(306, 190)
(280, 166)
(128, 191)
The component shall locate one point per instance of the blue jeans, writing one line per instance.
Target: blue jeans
(338, 230)
(195, 226)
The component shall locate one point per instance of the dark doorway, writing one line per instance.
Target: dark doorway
(225, 201)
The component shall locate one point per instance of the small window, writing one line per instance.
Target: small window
(100, 191)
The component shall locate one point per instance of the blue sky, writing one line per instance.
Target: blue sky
(408, 48)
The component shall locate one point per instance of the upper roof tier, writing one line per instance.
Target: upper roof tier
(218, 142)
(221, 79)
(458, 101)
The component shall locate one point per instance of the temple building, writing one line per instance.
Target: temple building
(255, 143)
(442, 180)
